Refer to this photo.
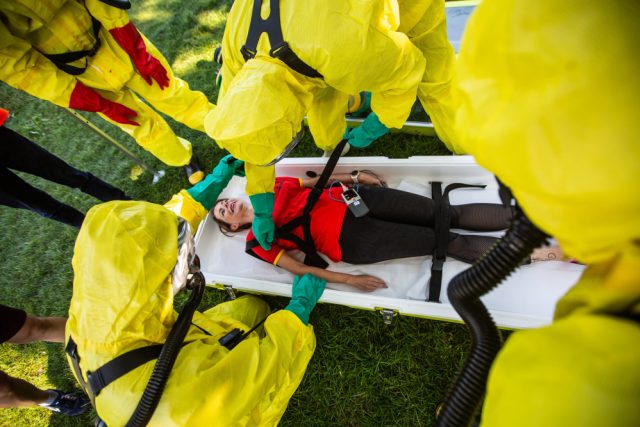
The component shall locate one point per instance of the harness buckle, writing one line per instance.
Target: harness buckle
(437, 264)
(247, 53)
(95, 381)
(279, 50)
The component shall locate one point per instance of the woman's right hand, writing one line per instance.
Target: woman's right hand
(366, 282)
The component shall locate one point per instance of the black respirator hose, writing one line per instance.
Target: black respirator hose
(464, 293)
(164, 364)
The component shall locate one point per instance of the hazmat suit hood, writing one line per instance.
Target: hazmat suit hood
(123, 300)
(556, 121)
(260, 112)
(123, 258)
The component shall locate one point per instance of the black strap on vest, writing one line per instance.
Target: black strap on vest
(285, 232)
(111, 371)
(72, 351)
(121, 365)
(279, 48)
(442, 221)
(62, 60)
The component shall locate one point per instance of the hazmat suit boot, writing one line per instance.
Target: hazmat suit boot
(194, 171)
(102, 190)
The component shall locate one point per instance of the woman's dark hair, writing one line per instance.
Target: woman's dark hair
(225, 227)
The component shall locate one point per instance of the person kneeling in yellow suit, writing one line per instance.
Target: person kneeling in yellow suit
(570, 155)
(313, 56)
(126, 278)
(87, 55)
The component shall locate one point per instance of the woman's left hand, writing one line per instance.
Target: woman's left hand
(365, 282)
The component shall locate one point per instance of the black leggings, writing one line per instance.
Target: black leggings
(400, 225)
(17, 152)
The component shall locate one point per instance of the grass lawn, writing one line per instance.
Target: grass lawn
(363, 373)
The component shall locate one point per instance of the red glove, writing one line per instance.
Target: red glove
(86, 99)
(148, 67)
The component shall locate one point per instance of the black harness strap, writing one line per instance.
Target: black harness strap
(285, 232)
(442, 225)
(279, 48)
(121, 365)
(62, 60)
(72, 351)
(111, 371)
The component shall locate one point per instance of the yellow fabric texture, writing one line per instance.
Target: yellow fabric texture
(122, 300)
(356, 46)
(185, 206)
(547, 100)
(30, 27)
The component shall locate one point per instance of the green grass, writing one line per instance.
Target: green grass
(364, 373)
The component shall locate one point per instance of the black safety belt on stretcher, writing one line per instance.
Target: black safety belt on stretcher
(279, 48)
(285, 232)
(442, 221)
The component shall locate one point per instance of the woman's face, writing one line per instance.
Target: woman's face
(234, 212)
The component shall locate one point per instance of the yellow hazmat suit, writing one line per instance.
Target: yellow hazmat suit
(122, 300)
(376, 46)
(30, 28)
(548, 98)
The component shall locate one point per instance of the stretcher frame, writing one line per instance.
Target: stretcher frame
(424, 169)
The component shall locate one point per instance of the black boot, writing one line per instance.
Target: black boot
(194, 171)
(101, 190)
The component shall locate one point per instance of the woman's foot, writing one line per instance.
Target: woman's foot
(551, 253)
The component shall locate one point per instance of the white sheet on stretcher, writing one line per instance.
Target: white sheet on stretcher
(530, 292)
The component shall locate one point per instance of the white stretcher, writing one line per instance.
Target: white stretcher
(526, 299)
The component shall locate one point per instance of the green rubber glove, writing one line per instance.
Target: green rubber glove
(207, 191)
(370, 130)
(263, 227)
(306, 292)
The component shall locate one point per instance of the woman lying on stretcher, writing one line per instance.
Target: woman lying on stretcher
(399, 225)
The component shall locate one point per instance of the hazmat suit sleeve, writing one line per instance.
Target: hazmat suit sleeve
(391, 73)
(185, 206)
(326, 117)
(28, 70)
(109, 16)
(194, 203)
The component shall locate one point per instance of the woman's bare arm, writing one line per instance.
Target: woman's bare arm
(364, 178)
(362, 281)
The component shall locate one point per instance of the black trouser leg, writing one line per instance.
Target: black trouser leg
(17, 152)
(481, 216)
(16, 193)
(102, 190)
(367, 240)
(468, 248)
(398, 206)
(408, 208)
